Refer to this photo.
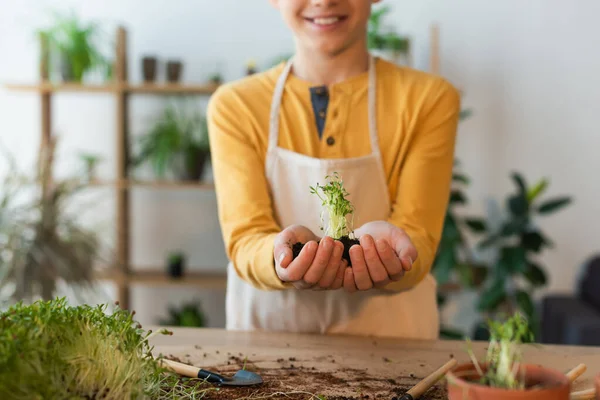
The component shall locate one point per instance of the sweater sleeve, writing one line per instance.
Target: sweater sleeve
(425, 179)
(245, 210)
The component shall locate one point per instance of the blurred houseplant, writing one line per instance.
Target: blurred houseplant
(455, 267)
(514, 273)
(73, 45)
(188, 315)
(177, 142)
(386, 41)
(40, 242)
(90, 162)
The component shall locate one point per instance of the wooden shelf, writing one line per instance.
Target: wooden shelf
(120, 88)
(155, 184)
(148, 88)
(172, 88)
(155, 277)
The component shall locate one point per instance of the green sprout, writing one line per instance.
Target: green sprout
(50, 350)
(504, 354)
(333, 198)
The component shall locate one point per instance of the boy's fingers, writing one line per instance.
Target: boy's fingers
(408, 255)
(333, 266)
(349, 282)
(339, 278)
(359, 268)
(298, 267)
(390, 260)
(320, 261)
(377, 271)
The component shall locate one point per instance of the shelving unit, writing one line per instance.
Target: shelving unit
(122, 274)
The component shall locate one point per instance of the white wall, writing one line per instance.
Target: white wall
(528, 69)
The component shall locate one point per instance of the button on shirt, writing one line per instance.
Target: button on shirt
(417, 117)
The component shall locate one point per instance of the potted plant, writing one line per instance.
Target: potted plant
(72, 45)
(177, 142)
(90, 161)
(339, 210)
(216, 78)
(43, 242)
(388, 42)
(53, 350)
(503, 375)
(176, 264)
(515, 272)
(188, 315)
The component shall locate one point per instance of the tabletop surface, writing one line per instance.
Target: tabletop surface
(344, 366)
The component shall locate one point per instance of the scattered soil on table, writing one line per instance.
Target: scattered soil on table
(294, 382)
(346, 241)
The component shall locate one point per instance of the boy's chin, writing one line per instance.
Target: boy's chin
(329, 49)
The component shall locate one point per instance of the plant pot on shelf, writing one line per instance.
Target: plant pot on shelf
(174, 71)
(149, 67)
(176, 264)
(463, 384)
(194, 162)
(66, 69)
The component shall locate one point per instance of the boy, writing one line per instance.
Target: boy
(388, 131)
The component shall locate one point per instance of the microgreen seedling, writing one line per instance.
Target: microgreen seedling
(504, 355)
(337, 206)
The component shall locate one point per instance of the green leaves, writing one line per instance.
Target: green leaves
(535, 275)
(533, 241)
(457, 197)
(333, 198)
(494, 296)
(456, 177)
(554, 205)
(525, 303)
(476, 224)
(512, 260)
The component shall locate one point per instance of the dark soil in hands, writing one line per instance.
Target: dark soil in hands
(346, 241)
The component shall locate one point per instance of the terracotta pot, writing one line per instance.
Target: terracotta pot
(598, 387)
(462, 385)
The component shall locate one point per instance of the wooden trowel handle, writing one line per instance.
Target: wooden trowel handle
(417, 391)
(182, 369)
(576, 372)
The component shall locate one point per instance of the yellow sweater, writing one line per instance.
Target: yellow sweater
(417, 119)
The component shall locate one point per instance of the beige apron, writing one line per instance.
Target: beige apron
(410, 314)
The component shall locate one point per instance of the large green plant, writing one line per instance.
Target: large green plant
(41, 239)
(515, 272)
(177, 141)
(74, 46)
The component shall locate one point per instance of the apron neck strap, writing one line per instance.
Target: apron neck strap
(278, 95)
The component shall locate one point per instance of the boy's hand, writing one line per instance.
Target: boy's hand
(319, 264)
(384, 254)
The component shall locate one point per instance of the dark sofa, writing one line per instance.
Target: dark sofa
(575, 319)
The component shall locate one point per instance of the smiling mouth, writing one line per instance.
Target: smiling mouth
(326, 21)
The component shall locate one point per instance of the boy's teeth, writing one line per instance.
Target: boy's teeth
(326, 21)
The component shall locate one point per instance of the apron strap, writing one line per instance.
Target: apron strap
(372, 107)
(276, 105)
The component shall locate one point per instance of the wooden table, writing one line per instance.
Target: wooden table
(342, 365)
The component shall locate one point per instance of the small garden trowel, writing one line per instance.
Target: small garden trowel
(240, 378)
